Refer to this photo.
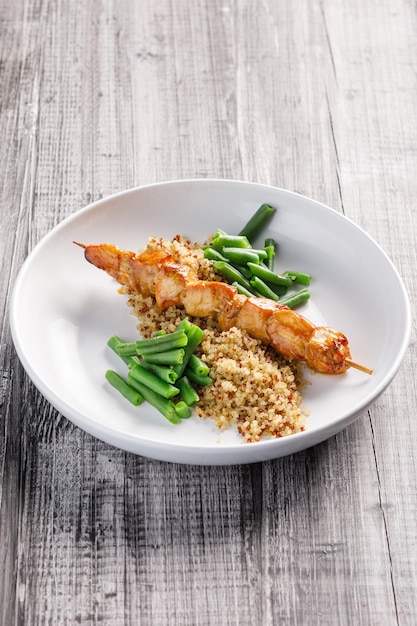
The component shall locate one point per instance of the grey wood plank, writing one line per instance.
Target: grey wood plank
(379, 161)
(317, 97)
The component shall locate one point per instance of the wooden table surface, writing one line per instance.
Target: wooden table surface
(315, 96)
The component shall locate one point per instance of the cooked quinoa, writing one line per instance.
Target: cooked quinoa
(253, 387)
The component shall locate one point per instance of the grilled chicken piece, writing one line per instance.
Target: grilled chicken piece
(327, 351)
(207, 298)
(252, 314)
(289, 333)
(172, 284)
(138, 274)
(227, 318)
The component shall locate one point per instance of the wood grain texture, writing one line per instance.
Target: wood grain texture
(317, 97)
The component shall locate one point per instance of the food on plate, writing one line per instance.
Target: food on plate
(244, 366)
(155, 273)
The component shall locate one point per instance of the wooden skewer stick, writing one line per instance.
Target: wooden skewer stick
(358, 366)
(82, 245)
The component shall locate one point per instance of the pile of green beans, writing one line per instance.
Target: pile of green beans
(251, 270)
(162, 370)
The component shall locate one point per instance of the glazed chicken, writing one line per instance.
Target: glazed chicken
(172, 284)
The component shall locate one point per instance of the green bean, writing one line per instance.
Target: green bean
(195, 335)
(280, 290)
(270, 247)
(298, 277)
(152, 381)
(297, 298)
(257, 222)
(127, 349)
(242, 290)
(182, 410)
(268, 276)
(124, 388)
(188, 393)
(195, 378)
(162, 343)
(185, 324)
(232, 274)
(269, 253)
(168, 374)
(219, 233)
(159, 333)
(114, 343)
(198, 366)
(258, 284)
(169, 357)
(163, 405)
(241, 256)
(216, 255)
(269, 261)
(230, 241)
(213, 255)
(261, 252)
(270, 242)
(243, 269)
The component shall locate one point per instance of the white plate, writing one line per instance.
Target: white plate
(63, 310)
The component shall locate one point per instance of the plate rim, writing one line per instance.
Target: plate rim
(270, 448)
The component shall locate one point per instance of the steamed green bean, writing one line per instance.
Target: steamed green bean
(182, 410)
(163, 405)
(257, 222)
(265, 291)
(298, 277)
(123, 387)
(169, 357)
(153, 381)
(188, 393)
(268, 276)
(162, 343)
(232, 274)
(297, 298)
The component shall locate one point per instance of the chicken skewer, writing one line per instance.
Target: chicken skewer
(172, 284)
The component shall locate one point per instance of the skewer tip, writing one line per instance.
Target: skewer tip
(82, 245)
(358, 366)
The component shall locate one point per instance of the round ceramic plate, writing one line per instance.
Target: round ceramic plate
(63, 310)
